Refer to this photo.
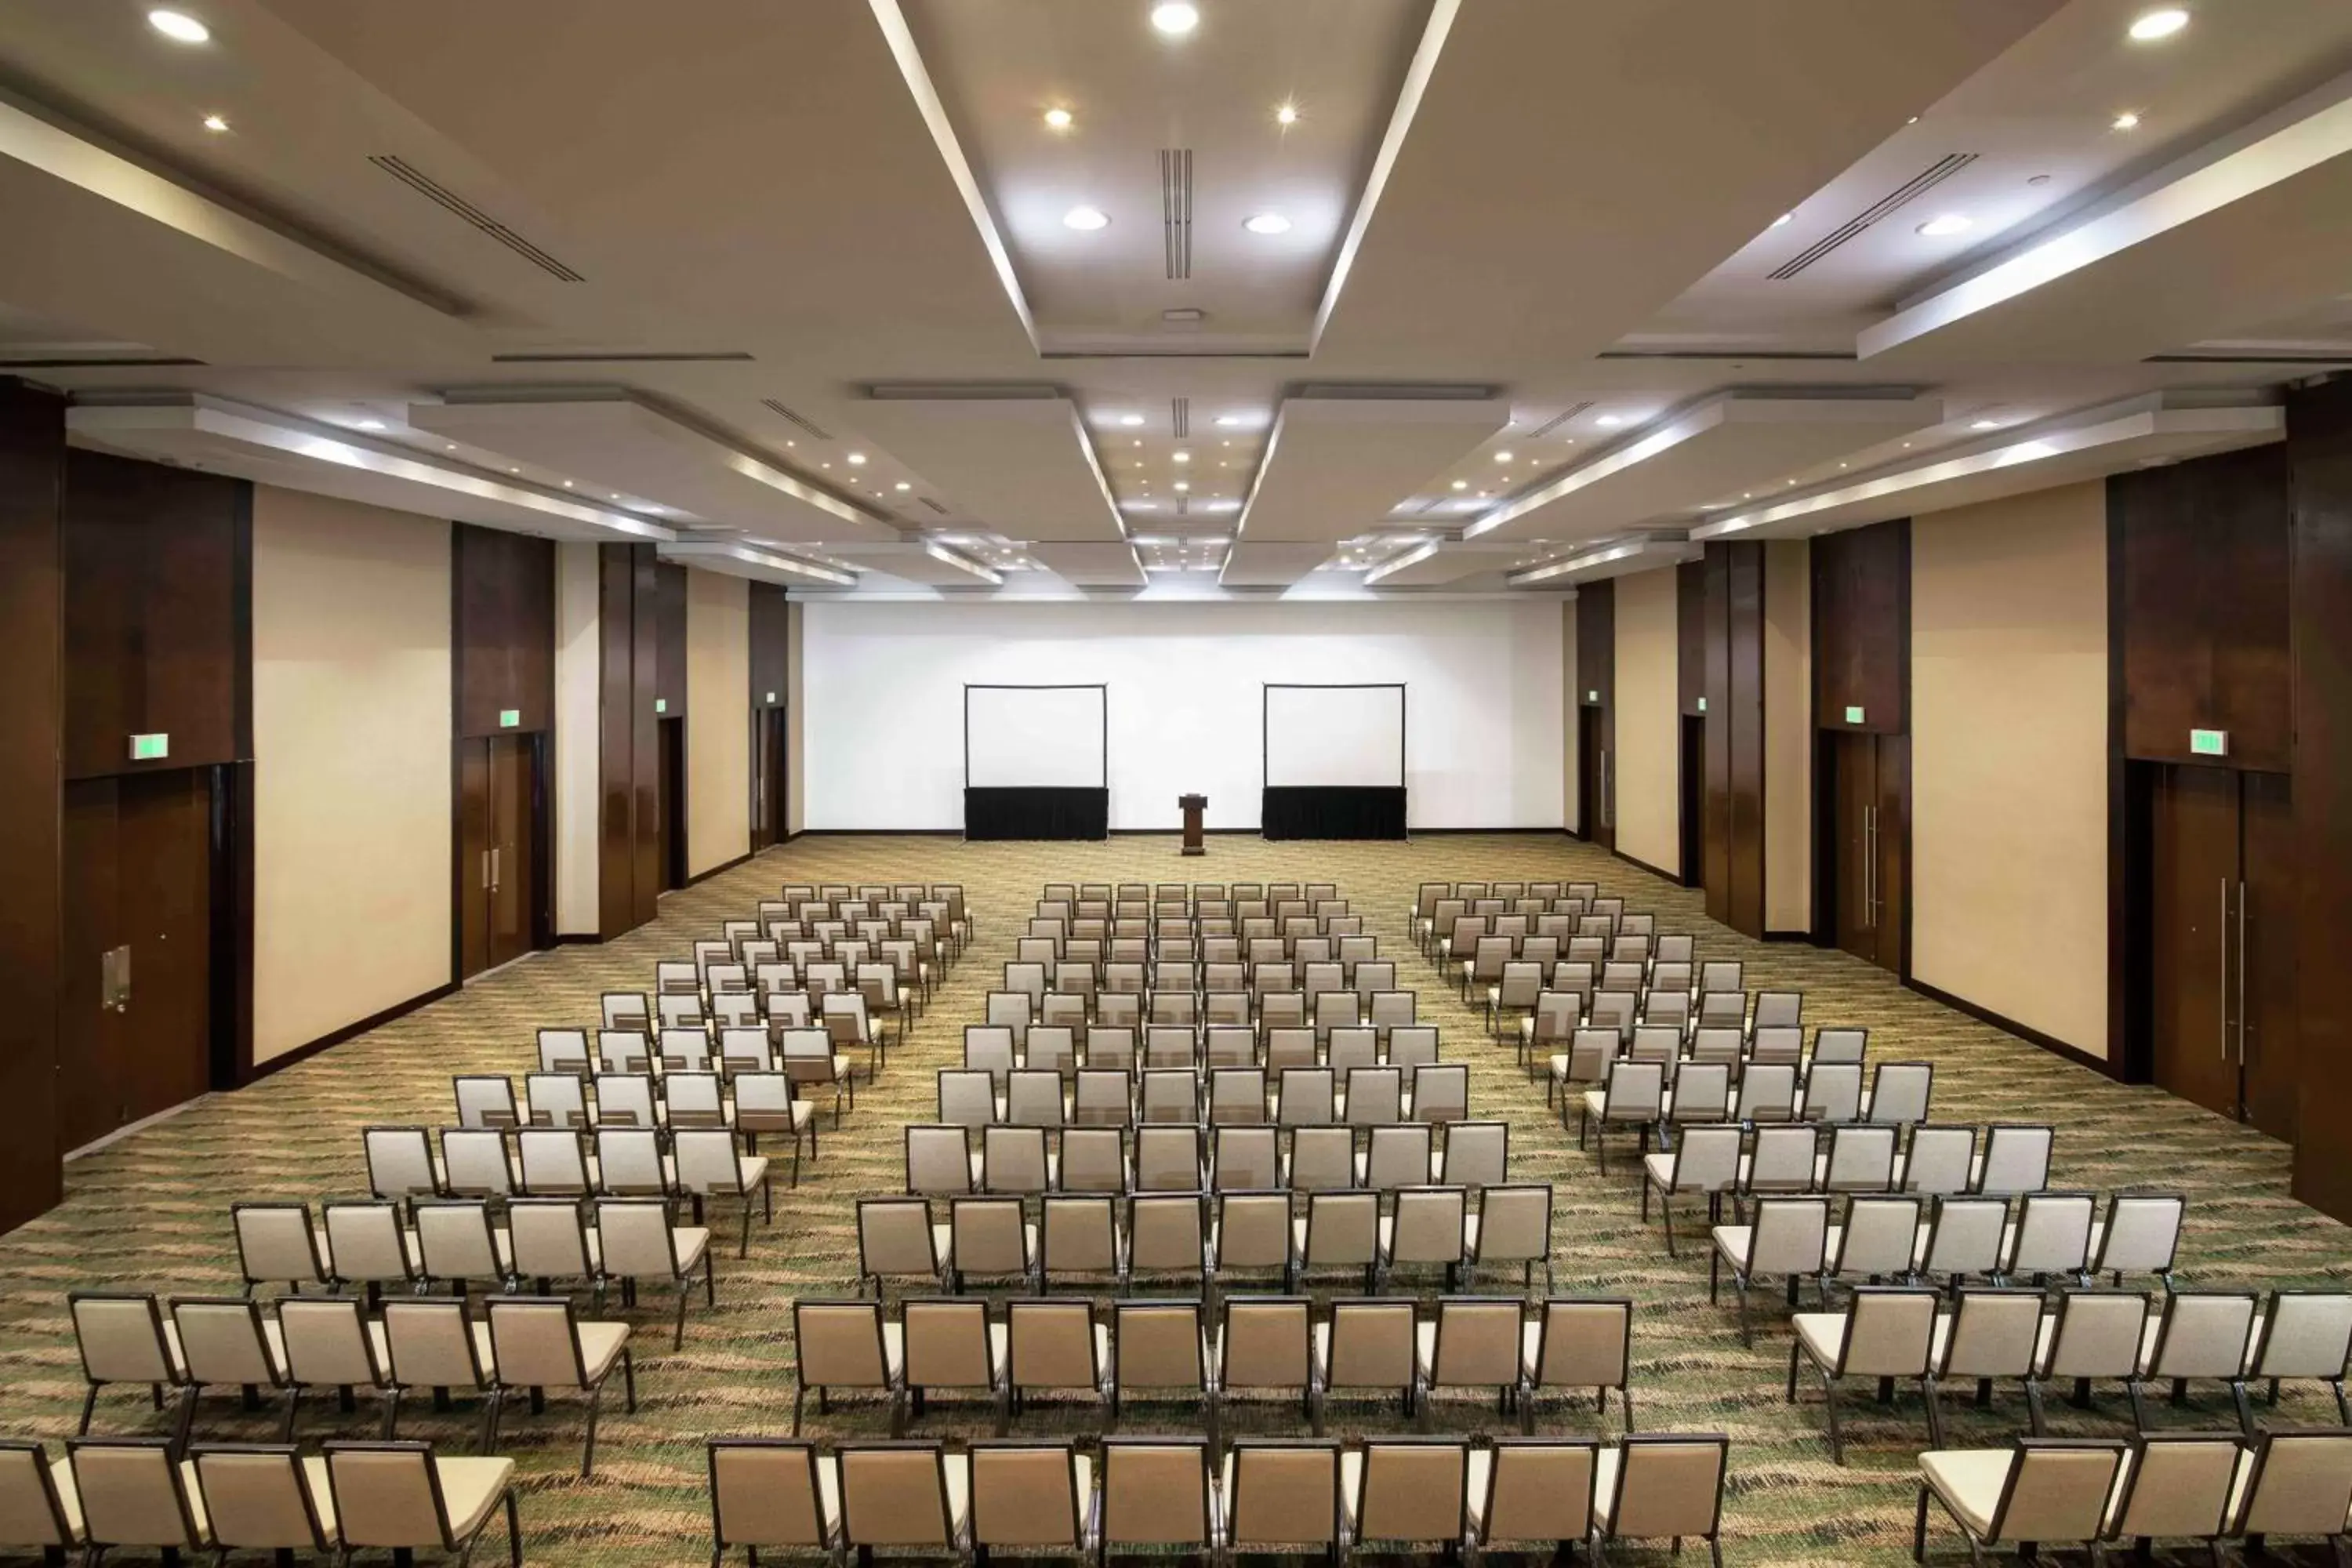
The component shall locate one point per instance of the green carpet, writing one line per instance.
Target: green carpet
(152, 1211)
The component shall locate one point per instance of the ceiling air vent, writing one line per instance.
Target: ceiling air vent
(1902, 196)
(1559, 420)
(433, 191)
(807, 427)
(1176, 209)
(933, 505)
(1179, 416)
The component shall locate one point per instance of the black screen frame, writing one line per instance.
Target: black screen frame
(1101, 688)
(1265, 723)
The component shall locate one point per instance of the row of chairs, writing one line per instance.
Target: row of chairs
(846, 1015)
(523, 1346)
(140, 1493)
(800, 1049)
(1364, 974)
(751, 1098)
(1185, 1352)
(1593, 1047)
(1744, 1162)
(1635, 1096)
(1000, 1050)
(1193, 892)
(1026, 1159)
(2236, 1337)
(1210, 1237)
(1019, 1010)
(502, 1162)
(2053, 1236)
(2214, 1488)
(1369, 1096)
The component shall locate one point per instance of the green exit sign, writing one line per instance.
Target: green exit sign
(150, 748)
(2209, 743)
(509, 718)
(661, 704)
(771, 697)
(1592, 696)
(1853, 715)
(1702, 704)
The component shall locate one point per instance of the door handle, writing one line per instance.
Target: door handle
(2243, 1008)
(1870, 868)
(2225, 969)
(486, 870)
(114, 979)
(495, 868)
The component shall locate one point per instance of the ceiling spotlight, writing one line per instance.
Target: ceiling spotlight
(449, 445)
(1611, 421)
(1986, 424)
(1182, 485)
(181, 27)
(2146, 29)
(2126, 120)
(1462, 484)
(1503, 457)
(1175, 20)
(1286, 115)
(371, 423)
(1086, 219)
(514, 470)
(1267, 222)
(1057, 120)
(1132, 421)
(857, 459)
(1184, 457)
(1784, 218)
(214, 122)
(567, 484)
(903, 485)
(1946, 223)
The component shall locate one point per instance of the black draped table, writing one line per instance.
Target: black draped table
(1332, 811)
(1036, 812)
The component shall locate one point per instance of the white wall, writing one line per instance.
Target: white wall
(1649, 729)
(881, 740)
(2008, 759)
(718, 719)
(352, 735)
(579, 738)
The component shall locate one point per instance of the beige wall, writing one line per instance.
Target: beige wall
(579, 738)
(352, 760)
(718, 720)
(795, 753)
(1788, 735)
(2008, 765)
(1649, 737)
(1568, 775)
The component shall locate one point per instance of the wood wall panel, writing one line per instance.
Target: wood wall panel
(669, 638)
(502, 619)
(2319, 455)
(628, 839)
(1731, 613)
(1690, 638)
(1596, 696)
(32, 643)
(771, 644)
(1862, 627)
(158, 614)
(2207, 562)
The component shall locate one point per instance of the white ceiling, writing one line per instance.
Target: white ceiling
(450, 256)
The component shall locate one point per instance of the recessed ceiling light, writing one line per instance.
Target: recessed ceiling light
(1130, 420)
(371, 423)
(1184, 457)
(825, 465)
(1175, 20)
(1286, 115)
(1946, 223)
(214, 122)
(903, 485)
(857, 459)
(514, 470)
(1462, 484)
(449, 445)
(1182, 485)
(1267, 222)
(1503, 457)
(2161, 24)
(1986, 424)
(1784, 218)
(567, 484)
(2126, 120)
(1085, 218)
(1611, 420)
(179, 26)
(1057, 119)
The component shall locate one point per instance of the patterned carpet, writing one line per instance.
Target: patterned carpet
(152, 1211)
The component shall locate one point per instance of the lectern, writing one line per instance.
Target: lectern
(1194, 806)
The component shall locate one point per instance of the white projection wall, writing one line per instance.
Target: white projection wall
(882, 692)
(1336, 735)
(1029, 736)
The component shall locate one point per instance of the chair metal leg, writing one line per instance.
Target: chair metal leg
(1935, 1412)
(588, 1448)
(90, 1405)
(514, 1530)
(1837, 1437)
(1919, 1528)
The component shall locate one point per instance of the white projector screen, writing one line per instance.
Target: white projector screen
(1325, 735)
(1030, 737)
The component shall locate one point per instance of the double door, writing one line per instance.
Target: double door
(2222, 949)
(137, 1025)
(498, 850)
(1869, 842)
(1595, 777)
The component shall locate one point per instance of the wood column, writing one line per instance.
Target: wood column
(1732, 615)
(1596, 706)
(628, 842)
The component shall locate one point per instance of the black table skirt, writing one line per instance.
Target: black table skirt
(1297, 811)
(1037, 813)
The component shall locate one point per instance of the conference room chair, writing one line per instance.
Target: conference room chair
(904, 1496)
(769, 1102)
(564, 1051)
(1592, 1048)
(2139, 1234)
(1399, 1154)
(1079, 1234)
(1166, 1238)
(1244, 1158)
(1102, 1096)
(967, 1097)
(1512, 1226)
(132, 1492)
(430, 1343)
(1094, 1160)
(1389, 1011)
(2044, 1490)
(1788, 1237)
(1169, 1158)
(816, 1068)
(1768, 1092)
(2094, 1336)
(1267, 1342)
(1051, 1047)
(771, 1494)
(2202, 1335)
(1938, 1161)
(1704, 1162)
(2050, 1237)
(630, 1161)
(849, 1345)
(538, 1343)
(401, 1163)
(1370, 1096)
(1963, 1239)
(640, 1241)
(1160, 1350)
(1158, 1493)
(1860, 1158)
(1427, 1229)
(2303, 1336)
(990, 1238)
(898, 1240)
(1877, 1241)
(1406, 1493)
(279, 1244)
(1474, 1343)
(2016, 1159)
(556, 1099)
(1251, 1234)
(1370, 1347)
(1440, 1093)
(1886, 1333)
(1169, 1095)
(1030, 1496)
(1341, 1229)
(1662, 1488)
(1722, 1009)
(1899, 1093)
(1576, 1345)
(1322, 1160)
(1631, 1097)
(940, 1160)
(1054, 1347)
(1283, 1496)
(223, 1343)
(950, 1346)
(253, 1497)
(122, 1339)
(1287, 1047)
(2176, 1487)
(1700, 1095)
(1831, 1093)
(327, 1343)
(1533, 1491)
(484, 1099)
(1014, 1159)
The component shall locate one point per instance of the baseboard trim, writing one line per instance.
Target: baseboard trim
(2025, 1032)
(882, 833)
(349, 1031)
(577, 939)
(1437, 832)
(1803, 936)
(724, 866)
(1643, 865)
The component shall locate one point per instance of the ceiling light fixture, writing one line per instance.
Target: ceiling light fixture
(1946, 223)
(2126, 120)
(1182, 485)
(1286, 115)
(1175, 20)
(1986, 424)
(1085, 219)
(1184, 457)
(1462, 484)
(857, 459)
(2151, 26)
(179, 26)
(903, 485)
(1503, 457)
(1130, 420)
(1267, 222)
(1057, 120)
(371, 423)
(567, 484)
(1611, 421)
(1784, 218)
(216, 123)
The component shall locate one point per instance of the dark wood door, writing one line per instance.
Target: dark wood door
(2266, 960)
(1593, 805)
(1854, 786)
(1694, 800)
(2193, 914)
(138, 887)
(768, 819)
(673, 805)
(474, 841)
(1890, 839)
(513, 844)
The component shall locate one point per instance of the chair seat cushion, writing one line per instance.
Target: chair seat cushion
(471, 1488)
(1733, 1241)
(599, 1347)
(1970, 1482)
(1821, 1334)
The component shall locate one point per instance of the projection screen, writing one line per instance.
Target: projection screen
(1324, 736)
(1033, 737)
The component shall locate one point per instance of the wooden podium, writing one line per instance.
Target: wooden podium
(1194, 806)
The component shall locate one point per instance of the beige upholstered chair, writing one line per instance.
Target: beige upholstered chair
(121, 1338)
(2176, 1486)
(1157, 1492)
(1341, 1230)
(904, 1496)
(1267, 1341)
(896, 1238)
(1789, 1239)
(401, 1497)
(538, 1344)
(1030, 1496)
(1056, 1345)
(1407, 1492)
(639, 1241)
(132, 1492)
(1161, 1350)
(39, 1506)
(368, 1247)
(1525, 1489)
(1664, 1488)
(429, 1343)
(1885, 1332)
(709, 1164)
(1167, 1236)
(990, 1238)
(327, 1343)
(2097, 1336)
(1283, 1495)
(1251, 1234)
(2296, 1483)
(1578, 1344)
(769, 1494)
(263, 1498)
(224, 1343)
(2042, 1489)
(1475, 1342)
(949, 1343)
(1370, 1346)
(847, 1344)
(1987, 1335)
(2304, 1334)
(278, 1244)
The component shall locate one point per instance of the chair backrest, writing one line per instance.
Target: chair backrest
(1833, 1092)
(1413, 1489)
(1782, 1160)
(254, 1498)
(1583, 1343)
(946, 1342)
(766, 1491)
(1940, 1159)
(1165, 1230)
(1479, 1342)
(221, 1341)
(275, 1241)
(1027, 1495)
(1158, 1346)
(2098, 1333)
(1965, 1235)
(1322, 1158)
(939, 1160)
(2016, 1159)
(1012, 1159)
(1878, 1236)
(894, 1494)
(121, 1336)
(1372, 1344)
(1768, 1092)
(1791, 1236)
(1899, 1092)
(1478, 1153)
(1669, 1485)
(1094, 1160)
(1266, 1342)
(2053, 1233)
(536, 1343)
(1167, 1158)
(1284, 1492)
(328, 1344)
(1441, 1091)
(1993, 1333)
(1539, 1488)
(1156, 1492)
(2142, 1233)
(2203, 1333)
(2177, 1485)
(1888, 1328)
(1861, 1158)
(2297, 1478)
(1053, 1344)
(840, 1344)
(2057, 1488)
(1426, 1226)
(1706, 1158)
(133, 1492)
(2305, 1333)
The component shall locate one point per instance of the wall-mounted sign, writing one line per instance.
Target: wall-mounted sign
(661, 704)
(1853, 715)
(1592, 696)
(509, 718)
(1702, 704)
(2209, 743)
(771, 697)
(150, 748)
